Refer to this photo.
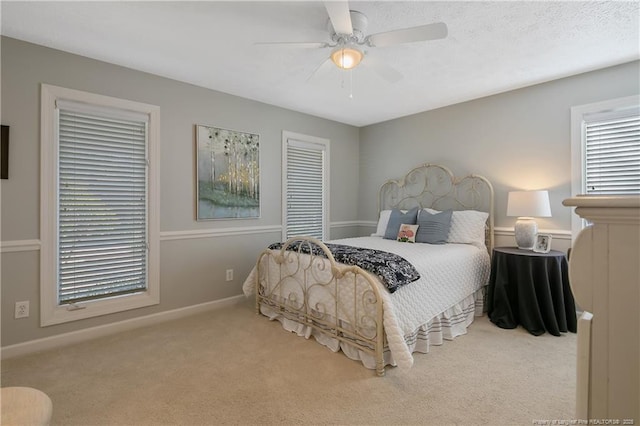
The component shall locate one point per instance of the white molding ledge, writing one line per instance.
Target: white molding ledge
(371, 223)
(78, 336)
(345, 224)
(556, 234)
(507, 231)
(32, 245)
(220, 232)
(19, 245)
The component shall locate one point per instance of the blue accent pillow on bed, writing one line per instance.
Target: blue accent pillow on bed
(396, 219)
(434, 228)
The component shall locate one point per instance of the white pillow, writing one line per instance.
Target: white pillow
(382, 223)
(467, 227)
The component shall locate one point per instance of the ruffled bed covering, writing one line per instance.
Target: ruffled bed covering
(448, 325)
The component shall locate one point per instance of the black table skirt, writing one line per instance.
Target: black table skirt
(531, 289)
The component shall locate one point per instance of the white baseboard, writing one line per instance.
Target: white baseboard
(78, 336)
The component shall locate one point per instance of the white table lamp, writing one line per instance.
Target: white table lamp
(526, 205)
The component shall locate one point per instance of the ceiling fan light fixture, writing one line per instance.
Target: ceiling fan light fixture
(346, 57)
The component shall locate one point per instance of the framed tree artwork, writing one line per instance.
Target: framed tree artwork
(228, 174)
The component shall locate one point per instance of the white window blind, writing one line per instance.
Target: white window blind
(305, 177)
(612, 155)
(102, 205)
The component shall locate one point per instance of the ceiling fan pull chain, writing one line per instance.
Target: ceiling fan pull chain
(350, 84)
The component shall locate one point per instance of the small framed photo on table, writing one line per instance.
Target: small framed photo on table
(543, 243)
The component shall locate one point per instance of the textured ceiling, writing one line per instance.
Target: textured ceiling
(491, 47)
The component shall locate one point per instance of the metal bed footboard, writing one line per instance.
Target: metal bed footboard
(339, 301)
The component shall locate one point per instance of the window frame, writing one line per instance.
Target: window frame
(312, 140)
(50, 311)
(580, 114)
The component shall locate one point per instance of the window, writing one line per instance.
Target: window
(605, 149)
(99, 209)
(612, 154)
(305, 186)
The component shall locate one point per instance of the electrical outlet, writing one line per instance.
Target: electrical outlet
(22, 309)
(229, 274)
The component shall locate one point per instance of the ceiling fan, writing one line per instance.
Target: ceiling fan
(349, 40)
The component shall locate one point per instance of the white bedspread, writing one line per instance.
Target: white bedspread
(449, 273)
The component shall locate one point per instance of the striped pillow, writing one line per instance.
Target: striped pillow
(433, 228)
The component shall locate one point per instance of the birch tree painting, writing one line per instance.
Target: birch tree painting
(228, 174)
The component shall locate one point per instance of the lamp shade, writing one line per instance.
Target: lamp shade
(528, 204)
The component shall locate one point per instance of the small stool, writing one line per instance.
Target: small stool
(25, 406)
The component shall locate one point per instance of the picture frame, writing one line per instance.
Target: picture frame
(227, 174)
(542, 244)
(4, 152)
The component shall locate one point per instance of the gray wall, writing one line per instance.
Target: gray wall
(519, 140)
(192, 269)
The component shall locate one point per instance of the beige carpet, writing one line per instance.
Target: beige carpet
(232, 366)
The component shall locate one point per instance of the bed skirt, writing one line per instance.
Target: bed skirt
(448, 325)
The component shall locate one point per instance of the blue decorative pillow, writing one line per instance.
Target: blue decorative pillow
(396, 219)
(433, 228)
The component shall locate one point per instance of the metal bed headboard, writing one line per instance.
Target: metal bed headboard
(434, 186)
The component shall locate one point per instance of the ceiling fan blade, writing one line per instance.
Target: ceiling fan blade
(408, 35)
(339, 15)
(384, 70)
(322, 69)
(305, 44)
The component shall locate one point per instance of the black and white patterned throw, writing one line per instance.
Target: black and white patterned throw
(394, 271)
